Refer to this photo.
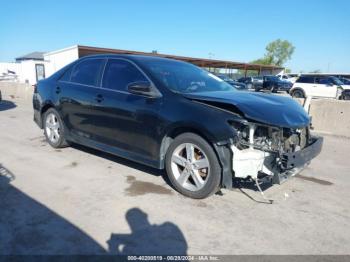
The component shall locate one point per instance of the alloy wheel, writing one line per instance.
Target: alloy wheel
(190, 166)
(52, 128)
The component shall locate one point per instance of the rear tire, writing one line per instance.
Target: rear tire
(54, 129)
(297, 94)
(192, 166)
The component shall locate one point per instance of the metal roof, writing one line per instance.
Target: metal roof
(32, 56)
(202, 62)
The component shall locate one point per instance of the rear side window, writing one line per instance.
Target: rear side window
(306, 79)
(88, 72)
(119, 74)
(66, 75)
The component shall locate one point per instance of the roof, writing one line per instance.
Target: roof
(202, 62)
(325, 74)
(32, 56)
(61, 50)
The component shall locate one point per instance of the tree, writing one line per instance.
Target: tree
(277, 53)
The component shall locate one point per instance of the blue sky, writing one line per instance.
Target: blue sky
(231, 30)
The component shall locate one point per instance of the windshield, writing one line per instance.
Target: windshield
(182, 77)
(345, 81)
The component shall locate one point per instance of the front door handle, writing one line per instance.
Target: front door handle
(99, 98)
(58, 90)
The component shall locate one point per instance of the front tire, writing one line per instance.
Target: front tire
(192, 166)
(54, 129)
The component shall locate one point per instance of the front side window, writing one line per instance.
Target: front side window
(272, 78)
(323, 81)
(119, 74)
(88, 72)
(182, 77)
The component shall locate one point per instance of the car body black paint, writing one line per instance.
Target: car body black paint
(135, 126)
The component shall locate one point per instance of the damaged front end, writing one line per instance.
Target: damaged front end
(262, 151)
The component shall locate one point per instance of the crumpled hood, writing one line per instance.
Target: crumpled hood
(265, 108)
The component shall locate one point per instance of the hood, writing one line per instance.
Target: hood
(265, 108)
(346, 87)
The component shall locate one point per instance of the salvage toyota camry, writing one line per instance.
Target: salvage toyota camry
(171, 114)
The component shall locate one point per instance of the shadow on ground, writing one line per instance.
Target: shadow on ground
(6, 105)
(27, 227)
(147, 239)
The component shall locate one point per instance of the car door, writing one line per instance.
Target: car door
(307, 84)
(127, 121)
(324, 87)
(77, 92)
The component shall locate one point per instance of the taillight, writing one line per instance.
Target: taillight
(35, 88)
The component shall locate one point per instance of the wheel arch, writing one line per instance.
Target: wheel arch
(43, 109)
(293, 89)
(171, 134)
(222, 152)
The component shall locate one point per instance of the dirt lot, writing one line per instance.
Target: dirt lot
(80, 201)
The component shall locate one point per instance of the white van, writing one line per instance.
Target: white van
(317, 86)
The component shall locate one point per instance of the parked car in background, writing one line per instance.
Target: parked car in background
(317, 86)
(345, 95)
(274, 84)
(170, 114)
(252, 82)
(288, 77)
(234, 83)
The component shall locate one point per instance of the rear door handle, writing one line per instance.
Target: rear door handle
(99, 98)
(58, 90)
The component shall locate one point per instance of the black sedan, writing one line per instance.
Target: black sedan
(274, 84)
(235, 84)
(170, 114)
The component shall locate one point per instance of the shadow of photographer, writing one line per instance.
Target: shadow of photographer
(147, 239)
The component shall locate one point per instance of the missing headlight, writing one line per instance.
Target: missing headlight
(269, 138)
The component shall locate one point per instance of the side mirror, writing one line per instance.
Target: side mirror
(140, 88)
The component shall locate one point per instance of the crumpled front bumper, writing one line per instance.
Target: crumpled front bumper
(253, 162)
(304, 156)
(294, 163)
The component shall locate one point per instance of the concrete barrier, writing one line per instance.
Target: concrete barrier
(16, 91)
(329, 116)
